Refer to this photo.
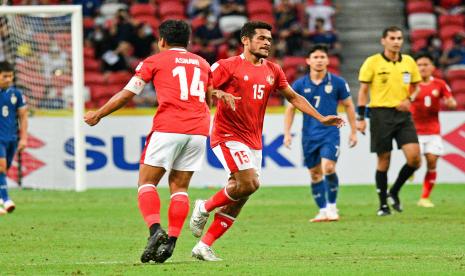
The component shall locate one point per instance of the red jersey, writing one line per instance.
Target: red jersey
(254, 84)
(180, 79)
(425, 108)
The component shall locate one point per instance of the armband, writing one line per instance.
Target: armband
(135, 85)
(361, 113)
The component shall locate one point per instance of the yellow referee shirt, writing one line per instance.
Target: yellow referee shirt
(389, 81)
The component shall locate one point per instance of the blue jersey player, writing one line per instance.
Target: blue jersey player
(321, 143)
(13, 129)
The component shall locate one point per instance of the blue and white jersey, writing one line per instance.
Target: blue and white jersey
(11, 99)
(325, 98)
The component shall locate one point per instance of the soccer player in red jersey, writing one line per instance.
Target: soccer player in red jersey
(236, 137)
(180, 128)
(425, 114)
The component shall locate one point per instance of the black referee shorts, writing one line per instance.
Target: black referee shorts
(387, 124)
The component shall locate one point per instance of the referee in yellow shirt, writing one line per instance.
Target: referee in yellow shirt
(389, 77)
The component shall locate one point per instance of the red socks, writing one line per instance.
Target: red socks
(219, 199)
(149, 204)
(428, 184)
(219, 226)
(177, 213)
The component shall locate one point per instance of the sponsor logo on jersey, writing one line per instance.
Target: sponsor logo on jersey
(307, 90)
(270, 79)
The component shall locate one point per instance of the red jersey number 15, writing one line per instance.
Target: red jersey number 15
(197, 87)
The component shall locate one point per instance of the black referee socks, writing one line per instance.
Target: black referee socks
(404, 174)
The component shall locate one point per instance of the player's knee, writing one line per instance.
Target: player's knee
(2, 168)
(317, 177)
(329, 169)
(414, 161)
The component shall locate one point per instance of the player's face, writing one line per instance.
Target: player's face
(260, 44)
(318, 61)
(6, 79)
(426, 67)
(393, 41)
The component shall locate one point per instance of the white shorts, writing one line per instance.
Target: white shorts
(431, 144)
(182, 152)
(235, 156)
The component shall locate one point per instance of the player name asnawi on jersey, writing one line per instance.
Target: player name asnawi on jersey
(188, 61)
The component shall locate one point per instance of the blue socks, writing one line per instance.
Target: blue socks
(332, 183)
(3, 188)
(319, 194)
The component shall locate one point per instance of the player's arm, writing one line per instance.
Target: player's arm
(23, 124)
(289, 115)
(451, 103)
(134, 87)
(303, 105)
(404, 105)
(350, 111)
(362, 104)
(227, 98)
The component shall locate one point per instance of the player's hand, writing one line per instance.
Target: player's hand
(91, 118)
(333, 120)
(22, 144)
(361, 126)
(227, 98)
(353, 139)
(287, 140)
(404, 106)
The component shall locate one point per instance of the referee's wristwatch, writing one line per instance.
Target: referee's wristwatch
(411, 98)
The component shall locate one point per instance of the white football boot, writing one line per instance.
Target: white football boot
(198, 218)
(204, 252)
(321, 216)
(332, 213)
(9, 206)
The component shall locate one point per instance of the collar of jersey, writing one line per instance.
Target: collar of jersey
(178, 49)
(244, 59)
(388, 60)
(324, 81)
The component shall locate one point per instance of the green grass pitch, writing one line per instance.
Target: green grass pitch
(100, 232)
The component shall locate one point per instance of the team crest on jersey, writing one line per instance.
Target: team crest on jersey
(13, 99)
(246, 78)
(435, 93)
(328, 88)
(270, 79)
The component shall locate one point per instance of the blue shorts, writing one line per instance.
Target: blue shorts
(8, 150)
(314, 150)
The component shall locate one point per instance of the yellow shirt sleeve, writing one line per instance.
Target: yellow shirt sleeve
(366, 71)
(416, 77)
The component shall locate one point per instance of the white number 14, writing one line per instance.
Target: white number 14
(197, 87)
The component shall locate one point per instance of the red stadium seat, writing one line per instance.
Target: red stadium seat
(326, 2)
(268, 18)
(151, 20)
(92, 65)
(419, 6)
(448, 4)
(88, 22)
(418, 44)
(457, 19)
(458, 87)
(455, 74)
(334, 62)
(448, 32)
(94, 78)
(119, 77)
(171, 8)
(437, 73)
(138, 9)
(334, 71)
(293, 62)
(89, 52)
(460, 98)
(259, 8)
(447, 44)
(421, 34)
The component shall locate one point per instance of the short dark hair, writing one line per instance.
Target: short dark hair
(424, 55)
(248, 29)
(6, 67)
(175, 32)
(319, 47)
(391, 29)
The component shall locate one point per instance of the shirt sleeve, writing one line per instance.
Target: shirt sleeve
(416, 77)
(281, 79)
(145, 70)
(344, 90)
(220, 73)
(366, 72)
(446, 92)
(21, 102)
